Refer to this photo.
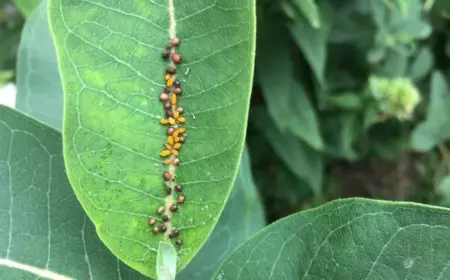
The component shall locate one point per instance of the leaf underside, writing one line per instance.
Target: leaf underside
(109, 54)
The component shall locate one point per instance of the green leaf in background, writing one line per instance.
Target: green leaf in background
(341, 133)
(310, 10)
(305, 162)
(444, 190)
(26, 6)
(286, 100)
(44, 226)
(242, 217)
(39, 89)
(435, 128)
(166, 263)
(109, 54)
(348, 239)
(313, 41)
(422, 64)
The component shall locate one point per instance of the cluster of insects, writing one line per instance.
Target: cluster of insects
(175, 139)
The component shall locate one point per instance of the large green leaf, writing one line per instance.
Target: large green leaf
(26, 6)
(28, 181)
(310, 10)
(109, 54)
(44, 229)
(39, 89)
(348, 239)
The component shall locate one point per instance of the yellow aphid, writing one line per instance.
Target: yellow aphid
(181, 119)
(175, 135)
(177, 146)
(167, 161)
(174, 152)
(174, 100)
(168, 76)
(165, 153)
(170, 140)
(170, 81)
(176, 115)
(177, 139)
(168, 147)
(164, 121)
(171, 121)
(181, 130)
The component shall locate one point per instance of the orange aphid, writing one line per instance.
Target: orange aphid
(181, 119)
(174, 99)
(177, 146)
(170, 140)
(168, 76)
(174, 152)
(170, 81)
(165, 153)
(171, 121)
(176, 115)
(167, 161)
(164, 121)
(177, 139)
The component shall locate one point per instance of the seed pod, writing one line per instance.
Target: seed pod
(175, 41)
(180, 110)
(165, 54)
(176, 231)
(164, 97)
(180, 199)
(177, 91)
(171, 70)
(151, 221)
(167, 176)
(163, 228)
(160, 210)
(165, 218)
(182, 139)
(173, 207)
(155, 229)
(176, 58)
(176, 161)
(165, 153)
(177, 83)
(178, 188)
(170, 130)
(164, 121)
(167, 105)
(179, 242)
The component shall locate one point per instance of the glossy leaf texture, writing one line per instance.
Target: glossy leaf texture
(39, 89)
(109, 55)
(45, 232)
(348, 239)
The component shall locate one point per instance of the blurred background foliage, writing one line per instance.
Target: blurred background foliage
(350, 99)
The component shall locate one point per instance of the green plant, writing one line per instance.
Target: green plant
(347, 97)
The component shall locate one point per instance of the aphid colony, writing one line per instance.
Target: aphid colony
(175, 139)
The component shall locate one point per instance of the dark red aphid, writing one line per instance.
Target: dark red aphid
(181, 199)
(163, 228)
(177, 91)
(165, 54)
(169, 191)
(173, 207)
(179, 242)
(175, 231)
(167, 105)
(171, 70)
(167, 176)
(176, 58)
(178, 188)
(177, 83)
(165, 218)
(151, 221)
(164, 97)
(175, 41)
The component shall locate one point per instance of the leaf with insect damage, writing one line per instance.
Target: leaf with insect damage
(109, 55)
